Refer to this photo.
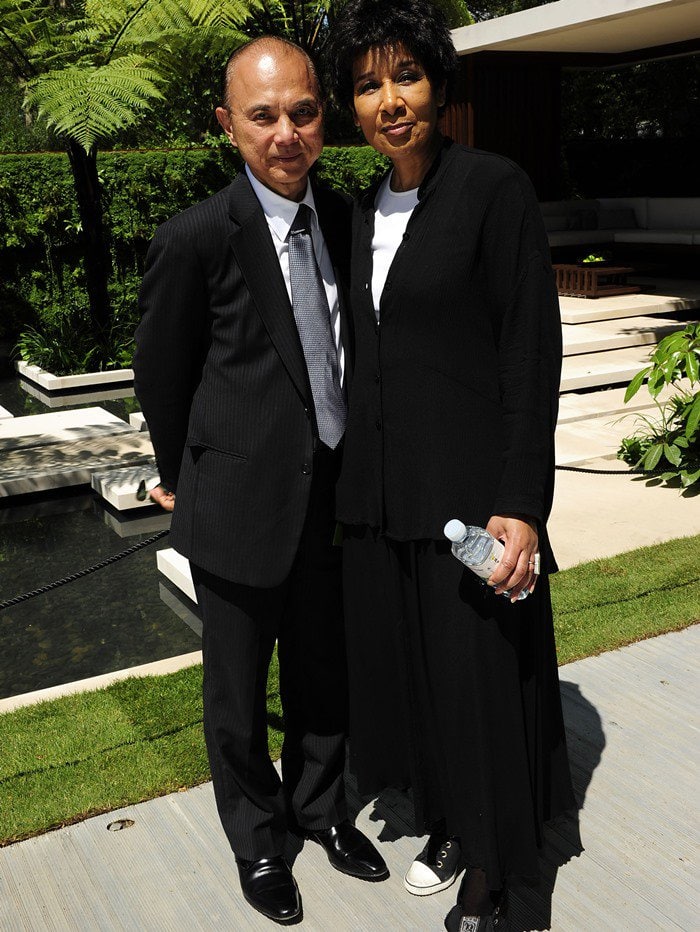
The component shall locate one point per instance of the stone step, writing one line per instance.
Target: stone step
(664, 297)
(119, 487)
(58, 427)
(581, 406)
(613, 367)
(615, 334)
(138, 421)
(72, 398)
(5, 413)
(64, 448)
(176, 568)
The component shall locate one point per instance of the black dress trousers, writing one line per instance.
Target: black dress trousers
(240, 627)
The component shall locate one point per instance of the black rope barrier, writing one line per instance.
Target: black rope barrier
(9, 603)
(611, 472)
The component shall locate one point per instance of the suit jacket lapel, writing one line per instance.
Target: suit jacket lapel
(252, 245)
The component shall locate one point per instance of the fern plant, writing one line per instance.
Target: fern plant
(669, 444)
(93, 69)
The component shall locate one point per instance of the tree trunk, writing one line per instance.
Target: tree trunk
(93, 240)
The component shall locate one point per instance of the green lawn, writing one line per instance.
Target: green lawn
(73, 757)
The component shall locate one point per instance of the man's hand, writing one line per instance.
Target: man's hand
(162, 497)
(516, 569)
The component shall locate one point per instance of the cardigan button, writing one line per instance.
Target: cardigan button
(306, 469)
(378, 378)
(378, 424)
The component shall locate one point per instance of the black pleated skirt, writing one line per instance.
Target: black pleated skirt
(454, 693)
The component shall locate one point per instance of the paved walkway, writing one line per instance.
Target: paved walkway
(632, 730)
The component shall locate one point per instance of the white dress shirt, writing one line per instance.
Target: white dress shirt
(280, 213)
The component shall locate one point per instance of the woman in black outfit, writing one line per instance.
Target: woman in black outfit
(454, 688)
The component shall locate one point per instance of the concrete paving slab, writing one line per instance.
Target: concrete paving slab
(176, 568)
(59, 427)
(58, 465)
(65, 399)
(599, 516)
(171, 867)
(138, 421)
(615, 334)
(50, 382)
(120, 486)
(609, 402)
(129, 524)
(613, 367)
(667, 297)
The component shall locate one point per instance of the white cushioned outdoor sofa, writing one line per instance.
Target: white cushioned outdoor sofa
(654, 220)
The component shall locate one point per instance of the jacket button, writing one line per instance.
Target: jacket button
(307, 412)
(306, 469)
(378, 424)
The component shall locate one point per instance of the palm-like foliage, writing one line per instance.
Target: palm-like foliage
(92, 68)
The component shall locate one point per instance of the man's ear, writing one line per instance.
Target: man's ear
(224, 118)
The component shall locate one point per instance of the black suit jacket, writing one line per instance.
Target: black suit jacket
(455, 393)
(221, 377)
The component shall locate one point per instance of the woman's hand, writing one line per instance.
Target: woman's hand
(516, 569)
(162, 497)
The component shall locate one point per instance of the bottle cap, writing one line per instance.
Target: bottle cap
(455, 530)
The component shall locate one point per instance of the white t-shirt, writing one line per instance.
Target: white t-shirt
(393, 210)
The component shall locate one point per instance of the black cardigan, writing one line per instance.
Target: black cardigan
(455, 393)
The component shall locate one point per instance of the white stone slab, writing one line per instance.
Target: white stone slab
(64, 400)
(51, 382)
(129, 524)
(60, 427)
(582, 441)
(177, 603)
(609, 368)
(176, 568)
(615, 334)
(119, 487)
(138, 421)
(5, 413)
(579, 406)
(36, 468)
(668, 296)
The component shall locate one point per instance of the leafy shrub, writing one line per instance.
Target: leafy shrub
(670, 444)
(41, 274)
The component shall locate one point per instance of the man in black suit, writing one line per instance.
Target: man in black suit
(240, 368)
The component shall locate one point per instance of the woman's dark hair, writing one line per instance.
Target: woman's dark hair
(417, 25)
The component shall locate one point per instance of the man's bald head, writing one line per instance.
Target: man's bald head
(264, 45)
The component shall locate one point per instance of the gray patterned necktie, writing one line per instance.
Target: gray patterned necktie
(313, 320)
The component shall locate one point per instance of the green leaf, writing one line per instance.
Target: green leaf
(657, 380)
(692, 366)
(690, 478)
(636, 384)
(672, 454)
(651, 458)
(693, 416)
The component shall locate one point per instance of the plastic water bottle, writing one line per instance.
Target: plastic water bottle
(478, 550)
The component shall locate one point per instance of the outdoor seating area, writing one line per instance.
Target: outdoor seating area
(607, 221)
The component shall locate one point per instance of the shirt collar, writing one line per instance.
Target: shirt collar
(280, 211)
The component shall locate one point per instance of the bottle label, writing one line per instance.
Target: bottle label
(486, 568)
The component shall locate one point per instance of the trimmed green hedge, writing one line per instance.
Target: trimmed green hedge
(40, 269)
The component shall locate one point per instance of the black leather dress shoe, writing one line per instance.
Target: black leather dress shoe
(269, 887)
(351, 852)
